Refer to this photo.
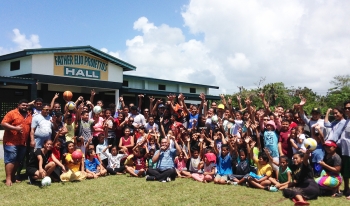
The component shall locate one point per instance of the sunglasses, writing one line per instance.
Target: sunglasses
(266, 119)
(45, 110)
(347, 108)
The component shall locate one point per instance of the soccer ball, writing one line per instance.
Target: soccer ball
(46, 181)
(71, 105)
(214, 119)
(310, 144)
(77, 155)
(97, 109)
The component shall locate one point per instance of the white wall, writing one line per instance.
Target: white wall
(25, 67)
(115, 73)
(43, 64)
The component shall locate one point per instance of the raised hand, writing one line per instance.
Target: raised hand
(56, 95)
(302, 100)
(151, 98)
(140, 96)
(93, 92)
(239, 98)
(261, 95)
(121, 99)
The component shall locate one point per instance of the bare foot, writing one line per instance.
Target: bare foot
(18, 181)
(348, 197)
(8, 183)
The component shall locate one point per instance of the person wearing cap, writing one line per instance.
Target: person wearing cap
(315, 117)
(344, 150)
(330, 178)
(220, 110)
(139, 119)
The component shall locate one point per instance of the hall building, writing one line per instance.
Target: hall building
(42, 72)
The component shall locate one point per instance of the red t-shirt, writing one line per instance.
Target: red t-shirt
(55, 153)
(140, 163)
(285, 144)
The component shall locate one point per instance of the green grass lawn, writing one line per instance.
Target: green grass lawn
(123, 190)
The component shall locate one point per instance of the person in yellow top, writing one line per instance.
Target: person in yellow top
(70, 125)
(75, 167)
(261, 180)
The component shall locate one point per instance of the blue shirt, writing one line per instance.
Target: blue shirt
(92, 165)
(271, 142)
(224, 165)
(166, 159)
(191, 118)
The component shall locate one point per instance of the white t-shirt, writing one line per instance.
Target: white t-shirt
(114, 161)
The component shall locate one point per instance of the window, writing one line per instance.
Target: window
(192, 90)
(161, 87)
(125, 83)
(15, 65)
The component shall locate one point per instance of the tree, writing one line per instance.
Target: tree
(337, 95)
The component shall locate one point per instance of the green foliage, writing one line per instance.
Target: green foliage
(277, 94)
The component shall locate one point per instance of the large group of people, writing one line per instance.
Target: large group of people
(211, 142)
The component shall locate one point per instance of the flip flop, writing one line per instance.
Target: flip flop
(301, 203)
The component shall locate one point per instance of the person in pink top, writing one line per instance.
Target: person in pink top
(98, 128)
(208, 166)
(180, 162)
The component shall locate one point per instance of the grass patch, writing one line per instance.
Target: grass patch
(123, 190)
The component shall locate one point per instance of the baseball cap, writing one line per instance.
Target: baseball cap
(161, 105)
(330, 143)
(221, 106)
(316, 109)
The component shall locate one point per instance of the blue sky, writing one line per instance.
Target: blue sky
(75, 23)
(226, 43)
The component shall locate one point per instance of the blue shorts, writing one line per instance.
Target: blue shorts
(137, 172)
(13, 154)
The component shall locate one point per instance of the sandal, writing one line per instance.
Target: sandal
(301, 203)
(337, 194)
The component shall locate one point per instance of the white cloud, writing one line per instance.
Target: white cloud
(21, 42)
(24, 43)
(115, 54)
(300, 43)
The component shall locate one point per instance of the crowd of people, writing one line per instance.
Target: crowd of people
(210, 142)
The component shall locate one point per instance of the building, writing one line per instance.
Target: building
(43, 72)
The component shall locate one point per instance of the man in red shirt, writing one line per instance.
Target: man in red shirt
(17, 129)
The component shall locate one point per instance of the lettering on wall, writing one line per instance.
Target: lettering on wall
(80, 66)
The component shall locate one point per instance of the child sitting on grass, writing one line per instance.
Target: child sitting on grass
(264, 172)
(180, 163)
(284, 174)
(113, 166)
(138, 167)
(75, 167)
(93, 167)
(150, 163)
(242, 168)
(208, 166)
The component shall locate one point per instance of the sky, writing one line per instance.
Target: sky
(225, 43)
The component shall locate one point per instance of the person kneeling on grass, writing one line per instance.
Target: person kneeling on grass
(264, 172)
(93, 167)
(39, 166)
(114, 159)
(164, 158)
(74, 167)
(137, 167)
